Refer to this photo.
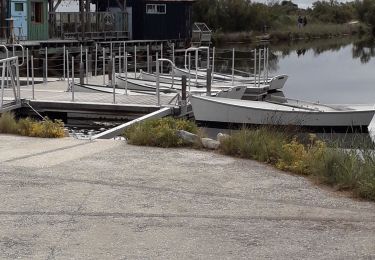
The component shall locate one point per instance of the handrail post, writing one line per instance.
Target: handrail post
(18, 81)
(2, 85)
(27, 66)
(126, 73)
(173, 58)
(72, 78)
(233, 68)
(213, 64)
(64, 62)
(67, 68)
(157, 79)
(32, 76)
(113, 82)
(103, 66)
(148, 58)
(46, 79)
(135, 61)
(96, 59)
(189, 72)
(259, 63)
(87, 66)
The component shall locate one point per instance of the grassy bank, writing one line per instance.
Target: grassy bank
(292, 32)
(30, 127)
(350, 169)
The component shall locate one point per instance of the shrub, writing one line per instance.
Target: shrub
(30, 127)
(160, 132)
(8, 124)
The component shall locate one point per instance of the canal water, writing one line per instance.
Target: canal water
(340, 70)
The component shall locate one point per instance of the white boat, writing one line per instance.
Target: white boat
(146, 85)
(219, 110)
(275, 83)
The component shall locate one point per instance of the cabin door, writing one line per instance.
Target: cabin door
(19, 14)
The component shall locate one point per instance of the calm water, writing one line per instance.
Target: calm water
(330, 71)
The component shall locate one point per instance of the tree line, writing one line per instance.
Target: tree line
(245, 15)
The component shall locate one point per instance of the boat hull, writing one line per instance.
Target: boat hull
(229, 111)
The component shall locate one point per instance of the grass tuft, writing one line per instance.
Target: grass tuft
(160, 132)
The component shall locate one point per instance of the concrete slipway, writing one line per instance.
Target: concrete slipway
(74, 199)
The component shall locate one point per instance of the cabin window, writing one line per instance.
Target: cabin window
(156, 9)
(36, 12)
(18, 7)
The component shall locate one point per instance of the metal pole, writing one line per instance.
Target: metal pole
(81, 53)
(208, 82)
(157, 79)
(27, 65)
(189, 71)
(264, 65)
(113, 80)
(46, 65)
(233, 68)
(255, 65)
(96, 59)
(64, 61)
(213, 63)
(67, 67)
(161, 56)
(125, 55)
(87, 66)
(111, 49)
(18, 81)
(259, 63)
(267, 64)
(72, 78)
(196, 67)
(135, 61)
(119, 61)
(103, 66)
(126, 73)
(148, 58)
(32, 75)
(173, 58)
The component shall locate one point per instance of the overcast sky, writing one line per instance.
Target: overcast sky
(300, 3)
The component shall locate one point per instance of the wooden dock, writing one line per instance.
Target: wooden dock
(54, 97)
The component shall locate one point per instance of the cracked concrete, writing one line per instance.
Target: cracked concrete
(72, 199)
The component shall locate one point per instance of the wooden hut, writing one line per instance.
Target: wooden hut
(155, 19)
(30, 19)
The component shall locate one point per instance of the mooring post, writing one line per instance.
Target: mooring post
(135, 61)
(183, 96)
(157, 79)
(148, 58)
(126, 73)
(46, 66)
(103, 66)
(96, 59)
(72, 78)
(208, 82)
(233, 68)
(64, 62)
(27, 66)
(113, 81)
(32, 75)
(87, 66)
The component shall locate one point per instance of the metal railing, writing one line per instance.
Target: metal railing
(107, 25)
(10, 79)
